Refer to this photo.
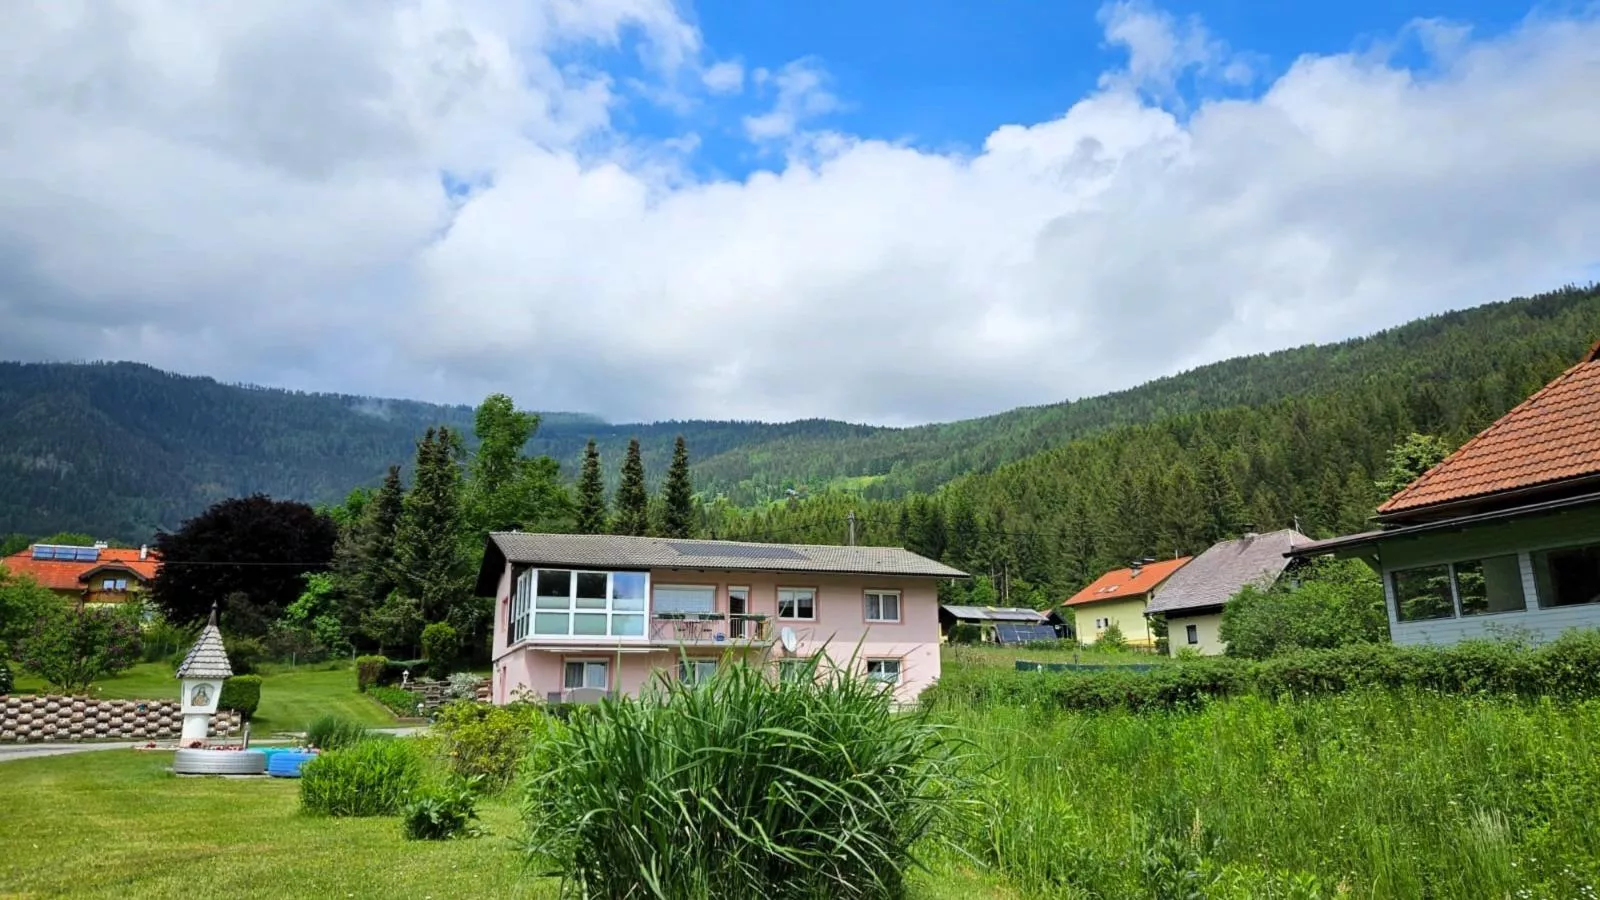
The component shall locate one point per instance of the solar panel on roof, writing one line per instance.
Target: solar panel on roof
(736, 551)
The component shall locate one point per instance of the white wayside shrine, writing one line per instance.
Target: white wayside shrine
(202, 674)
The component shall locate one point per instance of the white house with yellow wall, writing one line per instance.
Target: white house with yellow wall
(1192, 600)
(1119, 598)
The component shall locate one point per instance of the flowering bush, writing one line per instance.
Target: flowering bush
(70, 647)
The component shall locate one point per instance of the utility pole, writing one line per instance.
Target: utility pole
(851, 518)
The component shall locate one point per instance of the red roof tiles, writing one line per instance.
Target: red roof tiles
(1120, 583)
(1552, 436)
(67, 575)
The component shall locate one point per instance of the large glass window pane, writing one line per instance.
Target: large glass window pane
(555, 583)
(1569, 576)
(797, 603)
(685, 599)
(584, 674)
(628, 586)
(1423, 593)
(592, 586)
(627, 626)
(589, 623)
(1489, 585)
(550, 623)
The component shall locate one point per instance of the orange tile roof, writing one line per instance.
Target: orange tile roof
(1552, 436)
(1120, 583)
(68, 575)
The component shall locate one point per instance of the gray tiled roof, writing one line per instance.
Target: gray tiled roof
(995, 613)
(602, 551)
(207, 658)
(1217, 574)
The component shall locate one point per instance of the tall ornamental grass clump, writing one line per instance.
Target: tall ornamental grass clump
(330, 732)
(741, 787)
(367, 778)
(1370, 794)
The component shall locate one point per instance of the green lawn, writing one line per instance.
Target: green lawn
(290, 698)
(152, 834)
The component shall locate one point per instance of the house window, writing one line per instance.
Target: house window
(883, 606)
(1191, 633)
(114, 584)
(684, 599)
(797, 603)
(792, 671)
(1423, 593)
(586, 673)
(1568, 577)
(696, 671)
(1490, 585)
(1102, 624)
(566, 603)
(884, 670)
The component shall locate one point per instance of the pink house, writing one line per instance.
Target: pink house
(580, 616)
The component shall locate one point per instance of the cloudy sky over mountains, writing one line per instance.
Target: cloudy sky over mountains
(649, 210)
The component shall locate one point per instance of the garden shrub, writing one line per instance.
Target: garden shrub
(400, 702)
(464, 686)
(489, 743)
(394, 670)
(162, 639)
(72, 646)
(334, 733)
(241, 693)
(443, 812)
(741, 787)
(965, 633)
(245, 654)
(439, 648)
(1568, 668)
(368, 670)
(367, 778)
(5, 677)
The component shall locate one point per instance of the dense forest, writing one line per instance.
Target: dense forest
(1046, 495)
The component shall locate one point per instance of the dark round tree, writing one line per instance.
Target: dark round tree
(248, 553)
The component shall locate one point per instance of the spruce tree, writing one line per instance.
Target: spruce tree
(633, 501)
(364, 556)
(428, 563)
(678, 495)
(591, 493)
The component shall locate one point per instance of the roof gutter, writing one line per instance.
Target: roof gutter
(1320, 548)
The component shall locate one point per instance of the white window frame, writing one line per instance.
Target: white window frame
(585, 662)
(711, 589)
(881, 596)
(794, 599)
(689, 668)
(525, 608)
(883, 675)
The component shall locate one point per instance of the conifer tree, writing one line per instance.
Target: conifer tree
(428, 563)
(364, 556)
(678, 495)
(633, 501)
(591, 493)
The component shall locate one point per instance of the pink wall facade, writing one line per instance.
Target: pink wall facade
(839, 629)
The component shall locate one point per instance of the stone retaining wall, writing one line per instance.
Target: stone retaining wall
(435, 694)
(28, 719)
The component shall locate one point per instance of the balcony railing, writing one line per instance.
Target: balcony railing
(709, 628)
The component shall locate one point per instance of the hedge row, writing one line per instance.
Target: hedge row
(1566, 668)
(242, 693)
(381, 670)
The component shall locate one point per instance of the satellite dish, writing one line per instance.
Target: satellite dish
(786, 636)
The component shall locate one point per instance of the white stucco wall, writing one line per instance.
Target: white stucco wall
(1209, 631)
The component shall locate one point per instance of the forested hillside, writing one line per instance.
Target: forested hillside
(1054, 520)
(121, 449)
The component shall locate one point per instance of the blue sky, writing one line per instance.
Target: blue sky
(942, 74)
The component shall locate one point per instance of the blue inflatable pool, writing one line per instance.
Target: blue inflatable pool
(287, 763)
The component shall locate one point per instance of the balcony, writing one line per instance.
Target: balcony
(713, 629)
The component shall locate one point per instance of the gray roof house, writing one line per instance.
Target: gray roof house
(1193, 598)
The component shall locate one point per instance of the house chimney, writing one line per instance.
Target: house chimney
(144, 552)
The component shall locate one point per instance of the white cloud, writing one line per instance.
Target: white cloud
(801, 94)
(257, 196)
(726, 77)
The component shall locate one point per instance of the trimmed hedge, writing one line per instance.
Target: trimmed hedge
(401, 703)
(368, 670)
(1567, 668)
(242, 693)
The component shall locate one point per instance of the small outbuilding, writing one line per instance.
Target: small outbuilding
(998, 624)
